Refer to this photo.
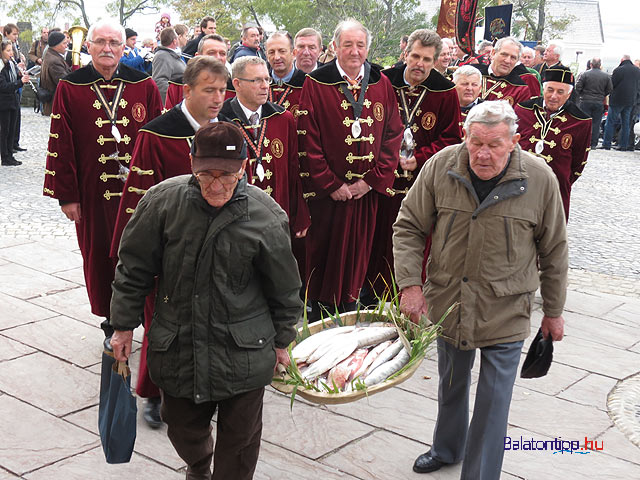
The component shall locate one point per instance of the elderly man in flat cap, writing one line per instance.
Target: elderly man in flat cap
(226, 305)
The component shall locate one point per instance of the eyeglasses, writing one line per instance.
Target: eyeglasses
(101, 42)
(226, 179)
(266, 80)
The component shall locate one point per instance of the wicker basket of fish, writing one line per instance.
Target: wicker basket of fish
(348, 357)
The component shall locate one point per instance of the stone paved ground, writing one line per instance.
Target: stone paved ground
(50, 361)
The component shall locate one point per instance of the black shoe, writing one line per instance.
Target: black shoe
(603, 147)
(152, 412)
(11, 162)
(19, 149)
(425, 463)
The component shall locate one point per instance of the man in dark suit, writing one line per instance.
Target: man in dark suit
(207, 26)
(53, 66)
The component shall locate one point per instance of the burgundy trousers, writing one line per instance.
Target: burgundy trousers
(239, 429)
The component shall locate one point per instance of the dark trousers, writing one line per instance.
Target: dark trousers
(595, 111)
(18, 124)
(617, 114)
(7, 133)
(479, 443)
(239, 429)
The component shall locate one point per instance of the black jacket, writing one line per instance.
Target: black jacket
(625, 79)
(593, 86)
(9, 90)
(192, 45)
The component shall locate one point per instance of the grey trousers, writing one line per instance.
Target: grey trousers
(480, 445)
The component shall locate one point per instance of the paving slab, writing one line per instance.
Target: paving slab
(627, 314)
(309, 431)
(530, 464)
(73, 303)
(559, 378)
(15, 311)
(62, 337)
(41, 257)
(153, 444)
(591, 390)
(599, 330)
(75, 275)
(7, 476)
(618, 445)
(91, 465)
(37, 438)
(385, 456)
(10, 349)
(23, 282)
(590, 304)
(49, 383)
(596, 357)
(540, 413)
(276, 463)
(395, 410)
(8, 241)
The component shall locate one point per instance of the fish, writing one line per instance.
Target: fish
(374, 335)
(342, 373)
(386, 355)
(371, 356)
(341, 347)
(387, 369)
(304, 349)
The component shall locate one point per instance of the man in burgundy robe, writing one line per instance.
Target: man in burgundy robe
(211, 45)
(499, 80)
(428, 105)
(554, 128)
(350, 133)
(161, 152)
(287, 80)
(270, 133)
(96, 114)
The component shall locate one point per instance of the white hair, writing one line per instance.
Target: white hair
(503, 40)
(493, 113)
(558, 47)
(528, 50)
(350, 24)
(466, 71)
(107, 22)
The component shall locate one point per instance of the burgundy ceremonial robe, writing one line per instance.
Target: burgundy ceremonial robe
(530, 79)
(566, 137)
(175, 94)
(277, 147)
(341, 234)
(161, 152)
(510, 87)
(83, 166)
(288, 93)
(435, 125)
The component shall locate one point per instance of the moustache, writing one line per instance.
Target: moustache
(107, 54)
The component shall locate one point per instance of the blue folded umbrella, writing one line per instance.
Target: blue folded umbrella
(117, 411)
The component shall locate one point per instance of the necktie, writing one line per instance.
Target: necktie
(253, 120)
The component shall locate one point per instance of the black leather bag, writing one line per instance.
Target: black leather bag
(44, 95)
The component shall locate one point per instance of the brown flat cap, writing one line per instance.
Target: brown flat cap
(218, 146)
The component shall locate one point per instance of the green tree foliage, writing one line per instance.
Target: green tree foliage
(388, 20)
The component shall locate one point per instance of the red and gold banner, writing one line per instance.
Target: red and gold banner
(465, 27)
(447, 19)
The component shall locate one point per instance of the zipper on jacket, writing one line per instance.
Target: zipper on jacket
(507, 233)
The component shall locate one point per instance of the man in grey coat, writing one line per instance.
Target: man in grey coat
(226, 306)
(167, 62)
(493, 211)
(593, 86)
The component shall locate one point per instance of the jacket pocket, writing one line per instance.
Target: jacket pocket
(162, 355)
(255, 332)
(161, 335)
(516, 284)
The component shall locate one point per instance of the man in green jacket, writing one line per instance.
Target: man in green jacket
(226, 305)
(498, 232)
